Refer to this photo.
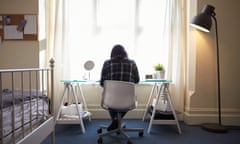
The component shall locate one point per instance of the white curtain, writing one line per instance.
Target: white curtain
(57, 42)
(151, 31)
(176, 57)
(162, 41)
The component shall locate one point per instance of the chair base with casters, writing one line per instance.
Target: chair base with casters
(120, 130)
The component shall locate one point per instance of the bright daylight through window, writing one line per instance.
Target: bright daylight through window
(141, 26)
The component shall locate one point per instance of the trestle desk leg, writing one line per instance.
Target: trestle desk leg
(66, 89)
(79, 112)
(148, 103)
(172, 108)
(154, 109)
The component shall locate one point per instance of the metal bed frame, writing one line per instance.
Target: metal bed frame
(40, 79)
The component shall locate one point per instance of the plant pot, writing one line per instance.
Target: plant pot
(159, 74)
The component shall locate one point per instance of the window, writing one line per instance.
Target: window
(150, 30)
(94, 26)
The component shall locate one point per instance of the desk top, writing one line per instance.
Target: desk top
(156, 80)
(77, 81)
(96, 81)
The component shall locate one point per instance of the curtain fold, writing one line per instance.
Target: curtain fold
(57, 41)
(177, 56)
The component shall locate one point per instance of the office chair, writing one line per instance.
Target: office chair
(120, 97)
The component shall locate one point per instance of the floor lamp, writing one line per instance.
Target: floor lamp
(203, 22)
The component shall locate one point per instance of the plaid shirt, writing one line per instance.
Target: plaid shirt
(123, 70)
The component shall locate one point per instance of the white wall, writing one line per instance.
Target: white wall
(21, 7)
(201, 106)
(19, 54)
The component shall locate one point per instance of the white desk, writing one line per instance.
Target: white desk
(162, 91)
(73, 88)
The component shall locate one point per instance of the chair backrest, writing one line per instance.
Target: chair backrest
(118, 95)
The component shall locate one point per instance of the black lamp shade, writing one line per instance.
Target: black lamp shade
(203, 21)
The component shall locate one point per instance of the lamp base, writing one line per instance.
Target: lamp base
(216, 128)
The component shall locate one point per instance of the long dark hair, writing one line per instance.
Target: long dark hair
(118, 52)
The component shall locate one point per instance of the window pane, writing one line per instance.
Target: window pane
(96, 26)
(153, 38)
(115, 13)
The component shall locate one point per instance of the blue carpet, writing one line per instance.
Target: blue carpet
(160, 134)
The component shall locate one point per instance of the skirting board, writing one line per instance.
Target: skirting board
(138, 113)
(229, 117)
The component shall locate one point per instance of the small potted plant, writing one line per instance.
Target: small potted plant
(160, 71)
(158, 67)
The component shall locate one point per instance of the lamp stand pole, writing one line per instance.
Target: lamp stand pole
(217, 128)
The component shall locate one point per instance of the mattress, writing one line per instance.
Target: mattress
(22, 110)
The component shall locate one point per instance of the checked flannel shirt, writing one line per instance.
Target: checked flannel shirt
(122, 70)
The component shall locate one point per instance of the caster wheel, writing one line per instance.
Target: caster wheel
(99, 130)
(129, 142)
(100, 141)
(140, 134)
(123, 125)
